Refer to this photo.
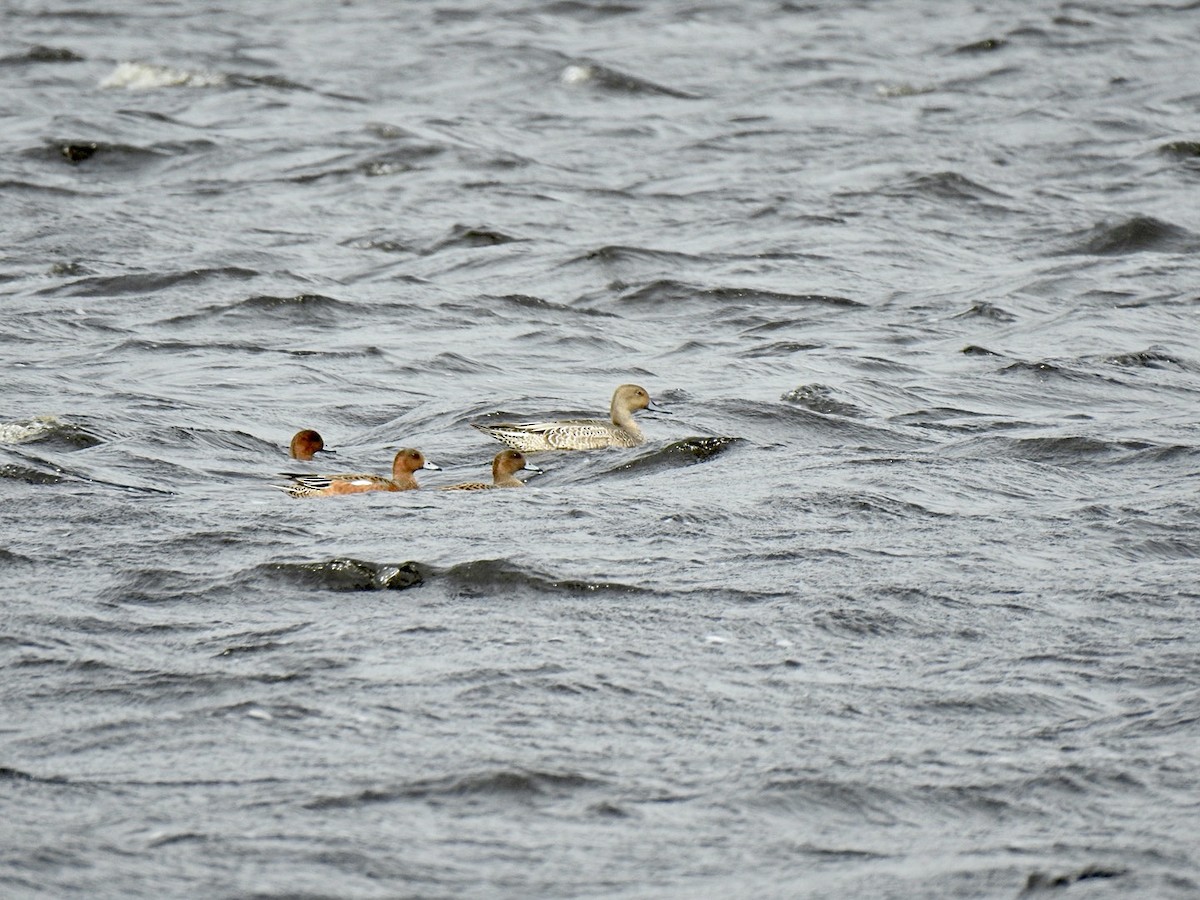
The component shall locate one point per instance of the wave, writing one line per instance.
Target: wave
(584, 73)
(49, 430)
(135, 76)
(31, 475)
(296, 308)
(40, 53)
(677, 454)
(146, 283)
(470, 236)
(666, 291)
(1139, 234)
(500, 784)
(944, 186)
(1185, 150)
(345, 574)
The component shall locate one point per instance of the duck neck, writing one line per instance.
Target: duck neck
(623, 418)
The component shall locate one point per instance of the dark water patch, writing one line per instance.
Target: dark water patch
(297, 308)
(502, 577)
(146, 283)
(687, 452)
(986, 311)
(584, 73)
(944, 418)
(470, 237)
(666, 292)
(976, 350)
(1137, 235)
(1071, 449)
(450, 364)
(875, 506)
(820, 398)
(116, 156)
(860, 622)
(9, 557)
(986, 45)
(578, 346)
(17, 775)
(838, 799)
(529, 302)
(1166, 549)
(39, 53)
(1186, 150)
(505, 785)
(345, 574)
(838, 854)
(776, 349)
(279, 83)
(1047, 371)
(200, 347)
(588, 12)
(183, 837)
(180, 437)
(617, 255)
(246, 649)
(151, 586)
(1046, 882)
(944, 186)
(795, 423)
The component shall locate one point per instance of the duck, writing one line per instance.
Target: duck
(306, 444)
(407, 462)
(578, 434)
(504, 468)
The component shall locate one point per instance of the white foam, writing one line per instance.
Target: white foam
(27, 430)
(136, 76)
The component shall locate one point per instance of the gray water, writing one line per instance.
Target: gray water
(898, 599)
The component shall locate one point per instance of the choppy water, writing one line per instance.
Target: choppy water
(900, 600)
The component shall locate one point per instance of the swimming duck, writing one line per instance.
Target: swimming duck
(504, 467)
(578, 434)
(407, 462)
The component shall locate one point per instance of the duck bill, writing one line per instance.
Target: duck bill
(433, 466)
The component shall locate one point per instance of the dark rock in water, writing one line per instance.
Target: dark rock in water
(77, 153)
(345, 574)
(985, 46)
(699, 449)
